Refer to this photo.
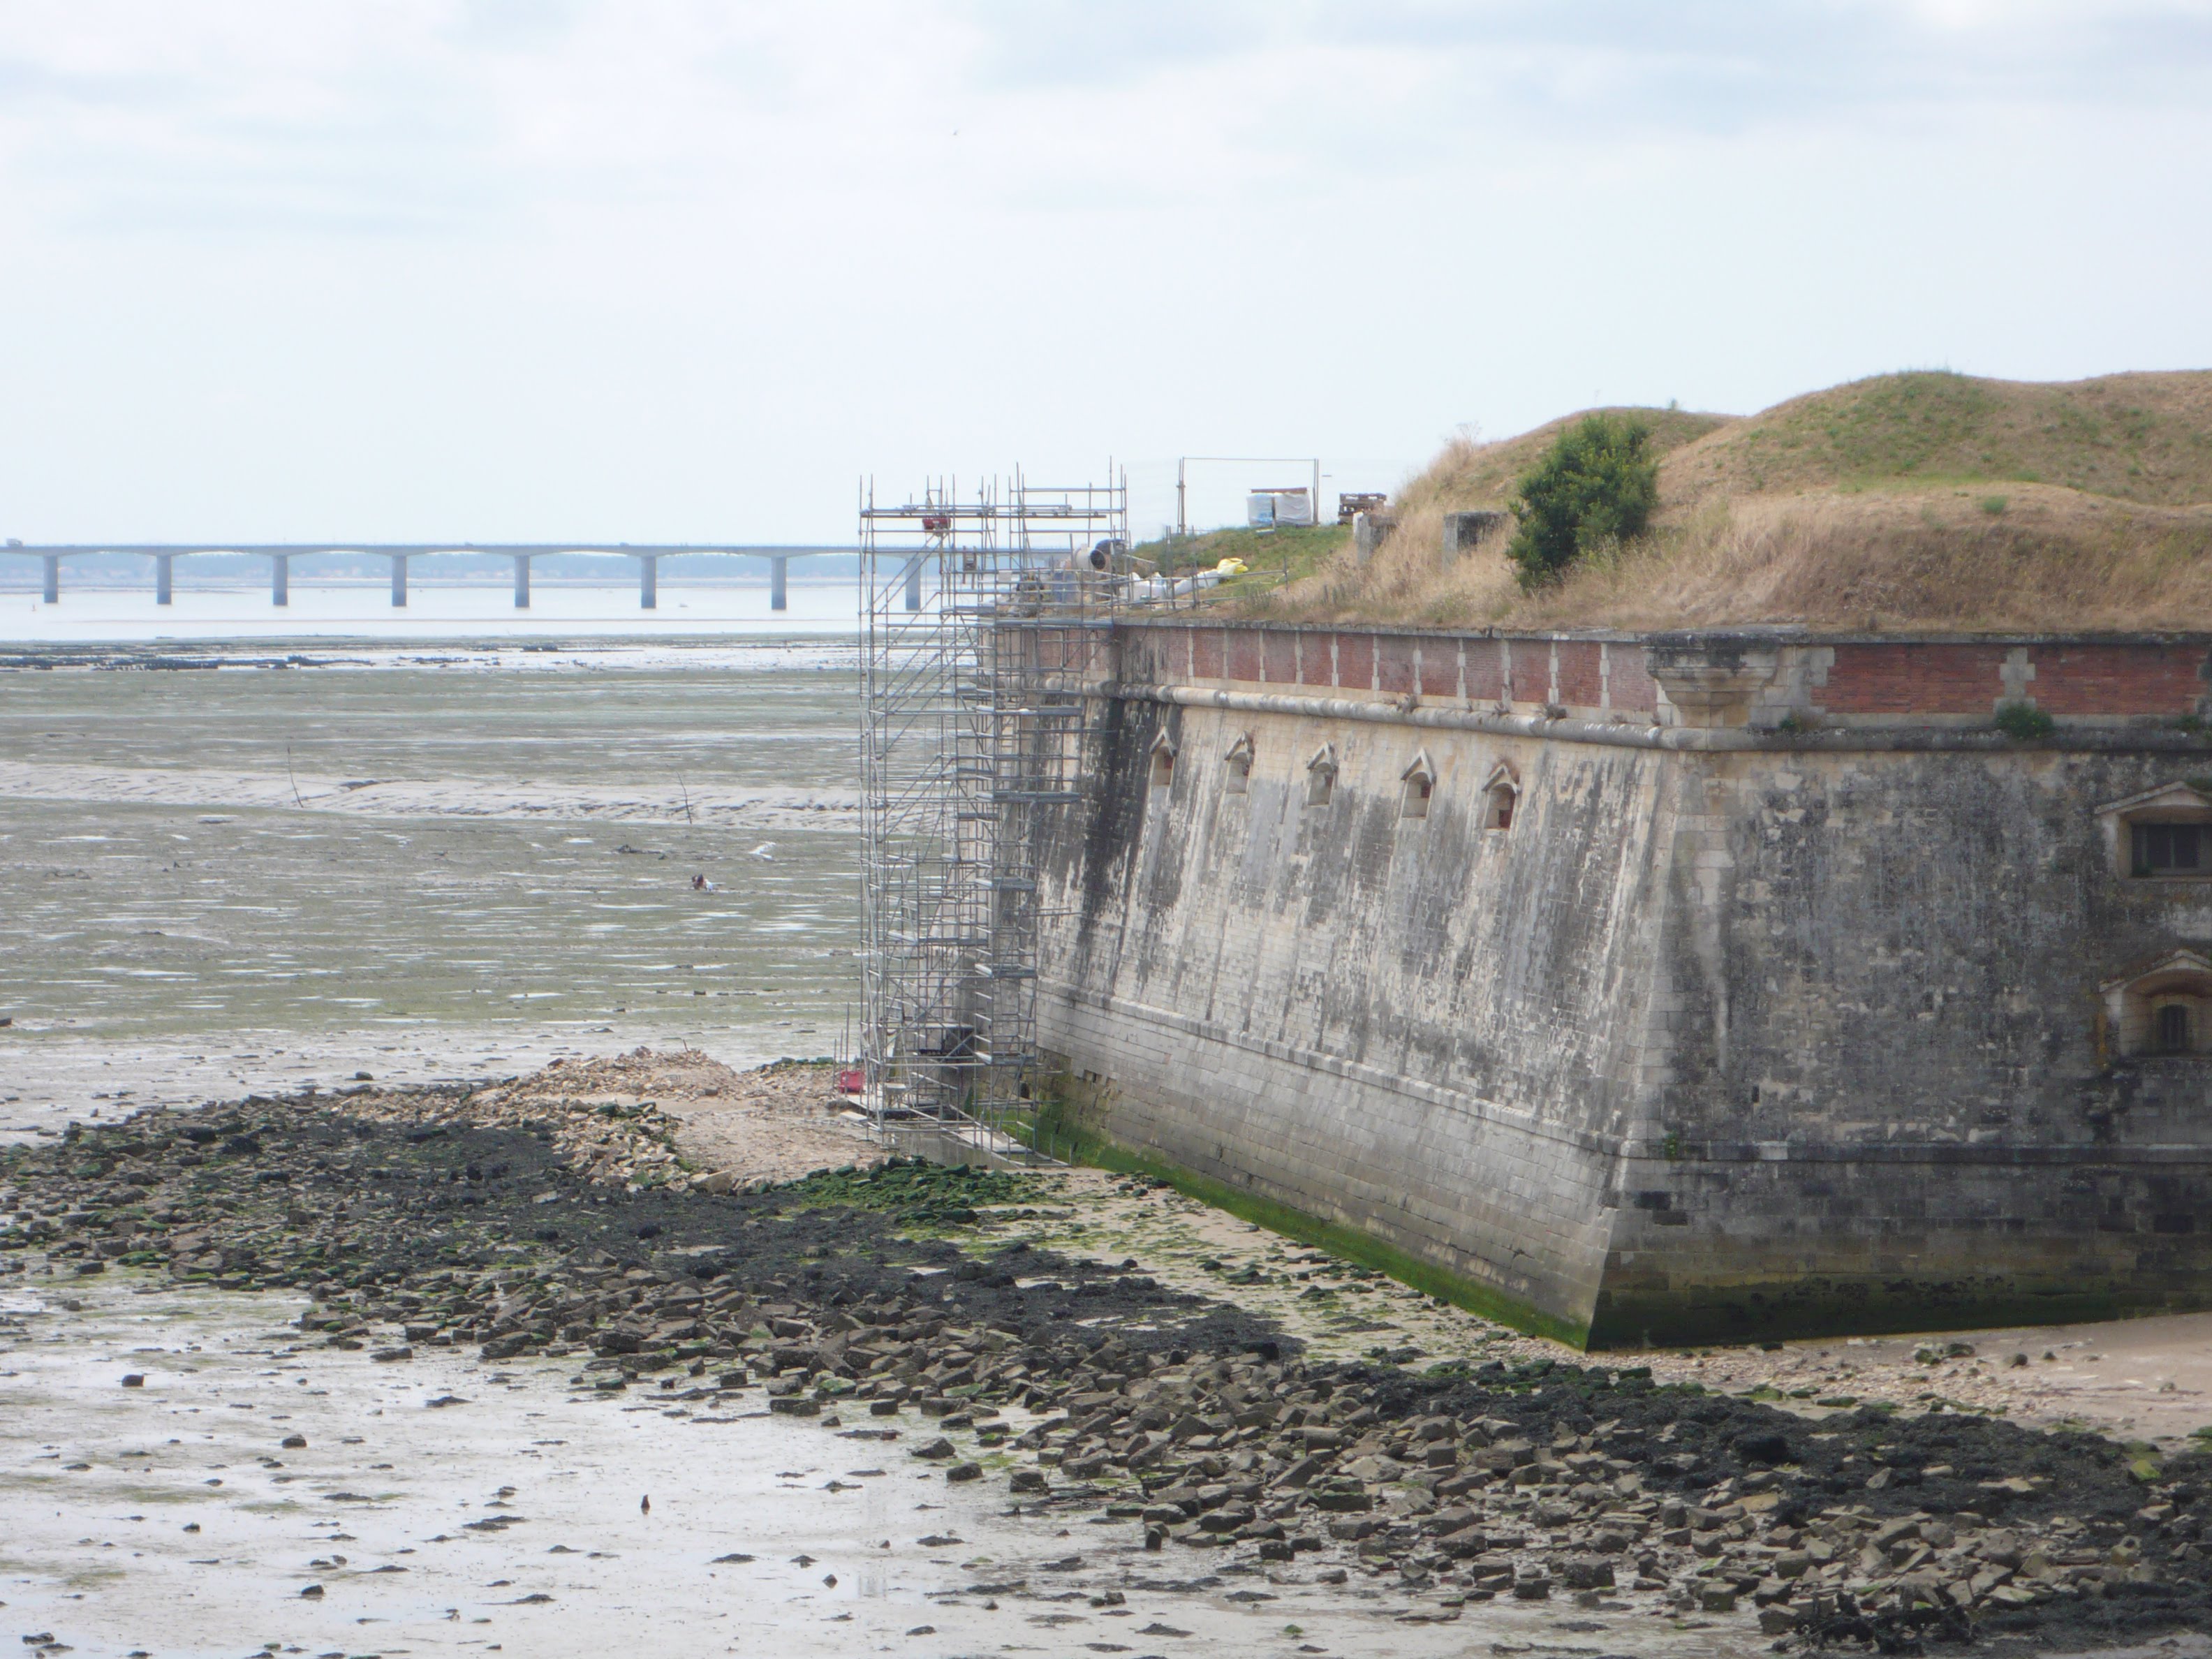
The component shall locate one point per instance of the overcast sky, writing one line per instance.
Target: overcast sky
(685, 270)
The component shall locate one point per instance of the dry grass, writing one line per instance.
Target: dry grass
(1914, 499)
(2053, 557)
(2143, 438)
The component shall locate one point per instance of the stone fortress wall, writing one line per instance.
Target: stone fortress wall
(1661, 988)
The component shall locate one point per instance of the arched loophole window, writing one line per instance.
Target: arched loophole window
(1321, 776)
(2163, 1009)
(1420, 782)
(1163, 760)
(1237, 766)
(1501, 798)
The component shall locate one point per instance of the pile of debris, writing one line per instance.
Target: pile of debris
(675, 1075)
(629, 1120)
(628, 1144)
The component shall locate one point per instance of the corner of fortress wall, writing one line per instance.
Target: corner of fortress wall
(1751, 1014)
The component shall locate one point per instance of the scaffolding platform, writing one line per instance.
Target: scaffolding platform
(980, 615)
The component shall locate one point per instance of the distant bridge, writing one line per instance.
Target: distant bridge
(280, 555)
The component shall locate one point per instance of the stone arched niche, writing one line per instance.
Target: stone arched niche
(2162, 1009)
(1236, 766)
(1321, 776)
(1163, 762)
(1420, 782)
(1501, 798)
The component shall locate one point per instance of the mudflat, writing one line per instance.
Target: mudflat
(1216, 1418)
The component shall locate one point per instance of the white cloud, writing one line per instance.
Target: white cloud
(671, 267)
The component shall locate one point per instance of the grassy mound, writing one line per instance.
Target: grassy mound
(1914, 499)
(2140, 438)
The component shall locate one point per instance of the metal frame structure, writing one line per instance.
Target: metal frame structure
(976, 611)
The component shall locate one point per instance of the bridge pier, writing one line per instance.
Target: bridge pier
(52, 593)
(280, 579)
(522, 582)
(399, 579)
(649, 581)
(162, 563)
(776, 593)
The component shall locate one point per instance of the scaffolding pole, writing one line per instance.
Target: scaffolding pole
(976, 614)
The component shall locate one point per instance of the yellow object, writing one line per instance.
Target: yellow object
(1231, 566)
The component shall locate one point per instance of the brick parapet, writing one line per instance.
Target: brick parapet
(1759, 679)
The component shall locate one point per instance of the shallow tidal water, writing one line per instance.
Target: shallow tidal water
(169, 1519)
(425, 857)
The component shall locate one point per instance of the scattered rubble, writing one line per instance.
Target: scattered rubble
(673, 1119)
(672, 1074)
(556, 1222)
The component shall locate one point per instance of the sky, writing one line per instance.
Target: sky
(692, 270)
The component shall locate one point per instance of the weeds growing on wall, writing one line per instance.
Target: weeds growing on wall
(1596, 487)
(2024, 722)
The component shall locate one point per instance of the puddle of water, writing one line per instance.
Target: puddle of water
(525, 1492)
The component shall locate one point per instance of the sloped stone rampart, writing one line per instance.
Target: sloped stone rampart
(1740, 1029)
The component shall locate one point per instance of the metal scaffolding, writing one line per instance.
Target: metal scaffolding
(974, 614)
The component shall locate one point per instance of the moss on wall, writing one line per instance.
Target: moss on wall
(1079, 1133)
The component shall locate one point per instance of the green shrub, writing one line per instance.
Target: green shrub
(1597, 484)
(2025, 722)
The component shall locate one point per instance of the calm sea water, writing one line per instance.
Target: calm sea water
(478, 611)
(439, 853)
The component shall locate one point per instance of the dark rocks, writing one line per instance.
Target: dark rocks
(1464, 1544)
(1584, 1572)
(1477, 1481)
(1342, 1498)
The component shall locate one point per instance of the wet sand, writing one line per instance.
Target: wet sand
(59, 1076)
(450, 1488)
(420, 852)
(510, 1520)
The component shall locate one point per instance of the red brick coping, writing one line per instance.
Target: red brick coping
(1718, 678)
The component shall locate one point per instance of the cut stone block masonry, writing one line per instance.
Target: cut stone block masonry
(1661, 988)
